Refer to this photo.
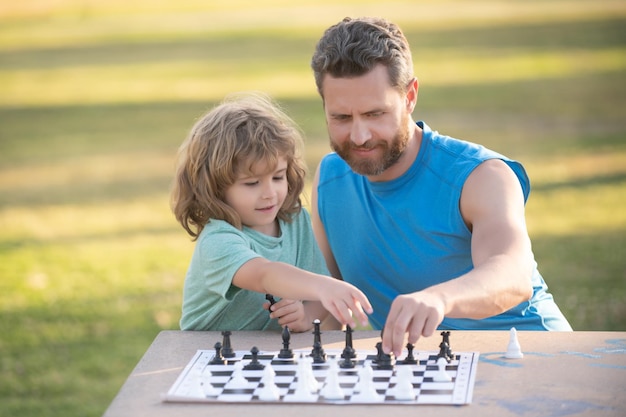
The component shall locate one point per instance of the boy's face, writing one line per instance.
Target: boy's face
(257, 196)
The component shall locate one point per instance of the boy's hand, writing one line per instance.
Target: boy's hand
(344, 300)
(290, 313)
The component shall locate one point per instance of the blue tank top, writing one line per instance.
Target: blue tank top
(404, 235)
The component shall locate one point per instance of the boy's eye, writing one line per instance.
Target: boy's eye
(250, 183)
(279, 178)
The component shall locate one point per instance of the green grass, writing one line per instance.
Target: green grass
(95, 98)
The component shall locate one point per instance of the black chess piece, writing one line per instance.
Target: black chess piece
(348, 352)
(444, 347)
(218, 359)
(270, 298)
(286, 352)
(383, 360)
(349, 349)
(227, 350)
(318, 354)
(346, 362)
(254, 364)
(446, 339)
(410, 359)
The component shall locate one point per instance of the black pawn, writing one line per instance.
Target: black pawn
(218, 359)
(410, 359)
(254, 364)
(286, 352)
(227, 350)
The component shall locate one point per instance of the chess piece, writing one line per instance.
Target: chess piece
(383, 360)
(349, 349)
(207, 388)
(269, 390)
(286, 352)
(303, 391)
(441, 375)
(237, 380)
(227, 350)
(410, 359)
(348, 352)
(254, 364)
(365, 389)
(513, 350)
(403, 390)
(270, 298)
(332, 390)
(218, 359)
(318, 354)
(444, 347)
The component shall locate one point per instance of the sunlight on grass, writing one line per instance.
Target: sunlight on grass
(206, 80)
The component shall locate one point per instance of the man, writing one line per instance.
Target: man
(431, 228)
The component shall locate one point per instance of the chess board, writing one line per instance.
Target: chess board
(189, 385)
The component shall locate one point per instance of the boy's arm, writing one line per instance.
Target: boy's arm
(287, 281)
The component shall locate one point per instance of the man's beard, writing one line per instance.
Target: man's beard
(392, 151)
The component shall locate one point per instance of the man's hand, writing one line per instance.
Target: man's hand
(417, 314)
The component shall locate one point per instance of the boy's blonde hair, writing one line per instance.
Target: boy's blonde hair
(226, 142)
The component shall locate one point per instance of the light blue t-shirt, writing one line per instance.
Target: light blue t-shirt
(405, 235)
(212, 302)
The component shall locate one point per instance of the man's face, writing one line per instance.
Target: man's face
(368, 121)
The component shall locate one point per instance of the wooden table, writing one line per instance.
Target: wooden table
(561, 374)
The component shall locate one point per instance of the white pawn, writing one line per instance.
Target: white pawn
(332, 390)
(365, 389)
(207, 388)
(237, 380)
(513, 351)
(442, 375)
(269, 392)
(403, 390)
(305, 373)
(302, 392)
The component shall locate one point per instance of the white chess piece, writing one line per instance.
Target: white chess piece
(442, 375)
(305, 370)
(303, 391)
(237, 380)
(207, 388)
(513, 351)
(403, 390)
(365, 389)
(332, 390)
(269, 391)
